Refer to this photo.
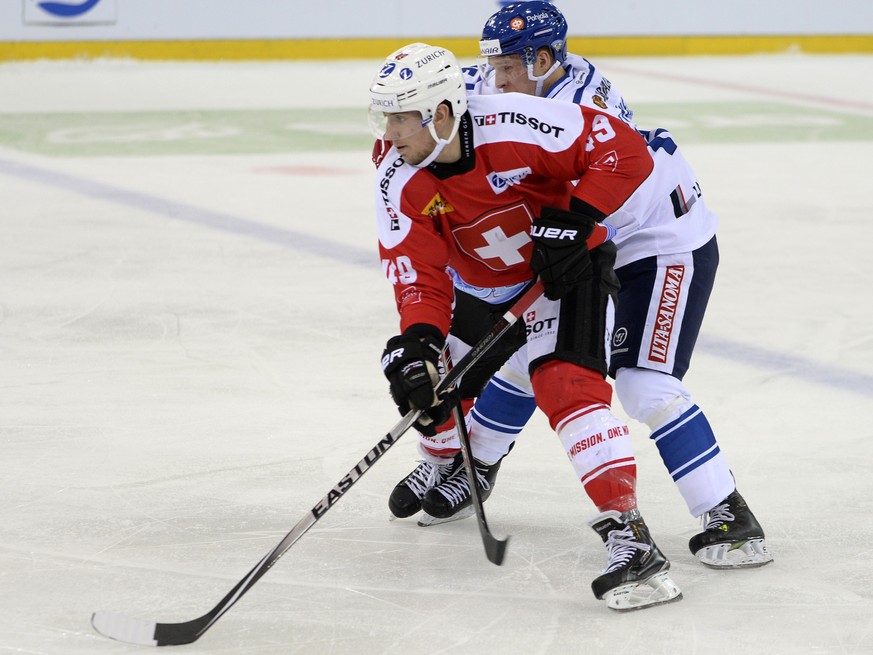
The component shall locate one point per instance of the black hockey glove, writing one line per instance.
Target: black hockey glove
(560, 255)
(412, 367)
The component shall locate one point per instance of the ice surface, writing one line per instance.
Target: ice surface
(191, 317)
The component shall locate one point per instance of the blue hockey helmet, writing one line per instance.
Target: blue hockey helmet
(523, 28)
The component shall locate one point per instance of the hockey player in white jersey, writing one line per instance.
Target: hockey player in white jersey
(666, 262)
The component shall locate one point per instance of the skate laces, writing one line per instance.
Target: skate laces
(426, 476)
(621, 546)
(456, 488)
(717, 516)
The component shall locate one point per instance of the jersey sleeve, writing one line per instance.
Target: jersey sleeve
(414, 256)
(587, 86)
(614, 164)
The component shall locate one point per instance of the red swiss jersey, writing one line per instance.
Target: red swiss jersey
(527, 153)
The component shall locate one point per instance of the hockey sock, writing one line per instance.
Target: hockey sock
(599, 447)
(576, 400)
(689, 450)
(498, 416)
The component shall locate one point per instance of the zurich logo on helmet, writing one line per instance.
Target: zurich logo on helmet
(406, 74)
(387, 69)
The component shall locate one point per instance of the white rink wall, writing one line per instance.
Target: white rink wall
(25, 20)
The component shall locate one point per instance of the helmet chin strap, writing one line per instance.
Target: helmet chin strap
(440, 143)
(540, 79)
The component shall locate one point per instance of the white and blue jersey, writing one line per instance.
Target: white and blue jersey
(676, 219)
(582, 84)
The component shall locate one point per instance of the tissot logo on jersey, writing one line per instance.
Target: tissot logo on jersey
(519, 119)
(395, 219)
(535, 327)
(385, 182)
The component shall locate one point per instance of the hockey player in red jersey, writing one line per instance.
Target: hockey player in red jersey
(666, 265)
(480, 195)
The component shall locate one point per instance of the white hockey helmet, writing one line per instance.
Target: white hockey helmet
(418, 77)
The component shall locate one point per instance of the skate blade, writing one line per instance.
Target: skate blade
(657, 590)
(745, 555)
(391, 517)
(426, 520)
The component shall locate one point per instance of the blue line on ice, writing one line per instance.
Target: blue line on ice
(754, 356)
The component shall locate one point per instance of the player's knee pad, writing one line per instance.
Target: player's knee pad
(563, 389)
(651, 397)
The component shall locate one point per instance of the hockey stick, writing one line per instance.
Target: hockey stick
(150, 633)
(495, 548)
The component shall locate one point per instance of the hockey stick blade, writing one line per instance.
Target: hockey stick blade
(148, 633)
(495, 549)
(145, 633)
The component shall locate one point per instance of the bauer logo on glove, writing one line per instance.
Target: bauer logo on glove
(543, 232)
(560, 255)
(412, 366)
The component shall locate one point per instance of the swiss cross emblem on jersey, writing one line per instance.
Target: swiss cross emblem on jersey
(500, 239)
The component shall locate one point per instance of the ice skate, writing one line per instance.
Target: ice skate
(449, 500)
(732, 538)
(405, 499)
(636, 575)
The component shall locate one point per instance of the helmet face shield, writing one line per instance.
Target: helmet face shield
(510, 69)
(395, 126)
